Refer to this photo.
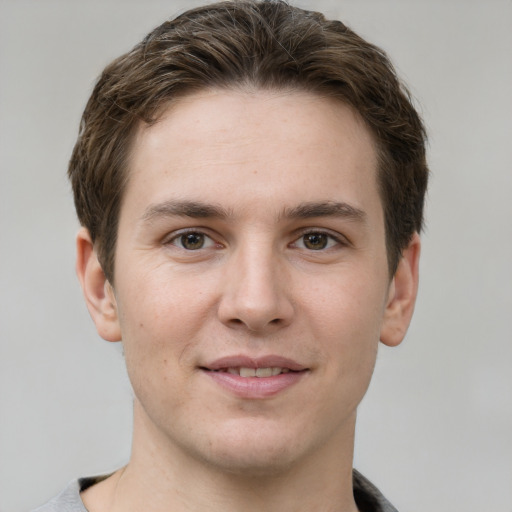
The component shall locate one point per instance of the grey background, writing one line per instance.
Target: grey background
(435, 430)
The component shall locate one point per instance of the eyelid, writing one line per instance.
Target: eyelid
(175, 235)
(341, 240)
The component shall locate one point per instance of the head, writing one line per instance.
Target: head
(258, 174)
(247, 45)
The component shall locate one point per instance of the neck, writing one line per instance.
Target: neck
(169, 479)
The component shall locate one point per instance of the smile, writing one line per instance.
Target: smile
(254, 379)
(254, 372)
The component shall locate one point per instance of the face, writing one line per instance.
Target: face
(251, 282)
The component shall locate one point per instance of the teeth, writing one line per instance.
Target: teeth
(264, 372)
(257, 372)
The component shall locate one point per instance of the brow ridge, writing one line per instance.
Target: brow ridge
(193, 209)
(307, 210)
(325, 209)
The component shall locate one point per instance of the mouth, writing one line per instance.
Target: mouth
(258, 378)
(244, 371)
(246, 366)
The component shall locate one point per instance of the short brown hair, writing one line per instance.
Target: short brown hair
(264, 44)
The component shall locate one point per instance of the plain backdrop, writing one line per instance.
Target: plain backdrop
(435, 430)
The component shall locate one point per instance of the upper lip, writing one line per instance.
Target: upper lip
(243, 361)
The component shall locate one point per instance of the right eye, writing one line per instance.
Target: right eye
(192, 241)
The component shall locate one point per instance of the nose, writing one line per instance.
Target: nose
(256, 292)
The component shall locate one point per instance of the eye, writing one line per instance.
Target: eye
(192, 241)
(316, 241)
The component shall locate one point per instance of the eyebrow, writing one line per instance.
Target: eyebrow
(325, 209)
(193, 209)
(199, 210)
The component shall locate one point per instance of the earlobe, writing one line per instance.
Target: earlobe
(402, 295)
(98, 292)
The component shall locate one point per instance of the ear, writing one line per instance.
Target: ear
(98, 292)
(402, 295)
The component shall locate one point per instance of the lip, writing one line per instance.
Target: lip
(254, 387)
(254, 362)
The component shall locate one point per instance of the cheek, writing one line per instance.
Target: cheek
(160, 302)
(159, 323)
(347, 305)
(157, 350)
(347, 317)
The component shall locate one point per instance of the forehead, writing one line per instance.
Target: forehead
(274, 148)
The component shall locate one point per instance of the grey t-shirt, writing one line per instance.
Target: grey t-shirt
(368, 497)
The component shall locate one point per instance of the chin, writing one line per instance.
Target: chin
(256, 451)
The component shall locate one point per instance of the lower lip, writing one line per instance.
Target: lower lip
(255, 387)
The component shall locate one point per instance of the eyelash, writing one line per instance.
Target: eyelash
(334, 240)
(331, 240)
(179, 236)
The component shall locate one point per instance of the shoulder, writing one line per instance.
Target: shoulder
(368, 498)
(69, 499)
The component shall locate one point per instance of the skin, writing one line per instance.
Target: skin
(269, 279)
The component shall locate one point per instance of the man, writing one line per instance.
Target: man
(250, 182)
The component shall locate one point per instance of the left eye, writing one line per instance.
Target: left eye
(192, 241)
(316, 241)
